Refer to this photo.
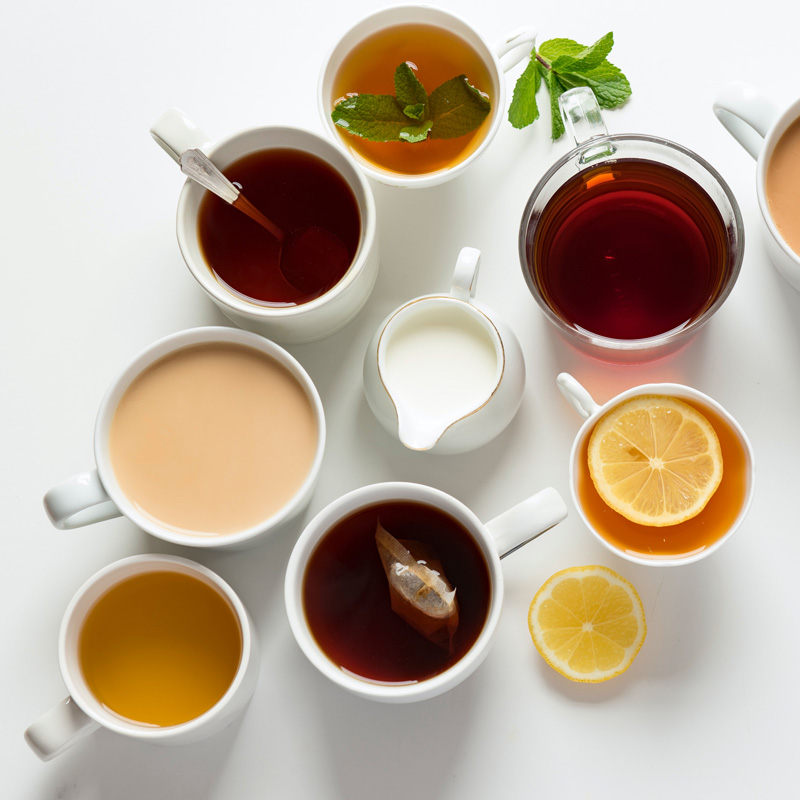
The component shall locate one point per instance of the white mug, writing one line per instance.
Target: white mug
(485, 382)
(757, 124)
(96, 495)
(298, 324)
(82, 713)
(498, 59)
(591, 412)
(496, 539)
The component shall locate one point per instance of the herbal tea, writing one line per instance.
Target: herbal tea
(348, 604)
(436, 55)
(160, 648)
(628, 250)
(685, 538)
(296, 191)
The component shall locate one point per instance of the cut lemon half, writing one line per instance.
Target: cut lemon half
(587, 623)
(655, 459)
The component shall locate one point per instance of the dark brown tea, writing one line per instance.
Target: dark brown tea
(297, 191)
(629, 250)
(347, 602)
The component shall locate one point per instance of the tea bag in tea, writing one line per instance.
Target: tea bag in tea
(420, 593)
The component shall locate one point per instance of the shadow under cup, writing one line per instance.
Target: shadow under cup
(629, 244)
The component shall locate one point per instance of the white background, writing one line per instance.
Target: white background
(91, 274)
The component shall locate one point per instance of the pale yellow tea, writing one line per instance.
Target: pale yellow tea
(783, 186)
(160, 648)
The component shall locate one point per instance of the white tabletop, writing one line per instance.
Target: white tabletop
(92, 274)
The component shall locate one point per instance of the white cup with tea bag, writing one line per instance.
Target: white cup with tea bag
(394, 590)
(772, 137)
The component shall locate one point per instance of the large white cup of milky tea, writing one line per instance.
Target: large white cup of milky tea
(83, 712)
(175, 133)
(759, 126)
(219, 449)
(494, 540)
(498, 58)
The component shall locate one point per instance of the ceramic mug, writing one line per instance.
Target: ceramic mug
(497, 60)
(296, 324)
(82, 713)
(613, 317)
(758, 124)
(96, 495)
(443, 373)
(671, 545)
(495, 540)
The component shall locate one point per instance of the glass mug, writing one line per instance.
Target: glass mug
(611, 206)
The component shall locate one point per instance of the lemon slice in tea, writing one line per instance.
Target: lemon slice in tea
(655, 459)
(587, 623)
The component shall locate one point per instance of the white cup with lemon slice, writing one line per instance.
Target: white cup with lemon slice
(661, 474)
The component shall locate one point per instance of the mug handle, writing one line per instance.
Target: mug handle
(578, 397)
(59, 728)
(175, 133)
(527, 520)
(516, 45)
(746, 114)
(584, 122)
(78, 501)
(465, 275)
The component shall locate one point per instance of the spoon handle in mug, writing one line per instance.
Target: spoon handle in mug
(199, 167)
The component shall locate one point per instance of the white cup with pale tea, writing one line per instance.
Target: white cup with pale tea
(211, 437)
(314, 281)
(772, 137)
(661, 474)
(153, 647)
(438, 46)
(394, 590)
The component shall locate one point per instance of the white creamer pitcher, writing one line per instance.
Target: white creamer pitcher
(443, 373)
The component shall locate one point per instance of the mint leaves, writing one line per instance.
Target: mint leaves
(451, 110)
(562, 64)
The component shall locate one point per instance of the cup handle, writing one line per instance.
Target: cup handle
(746, 114)
(516, 45)
(527, 520)
(78, 501)
(59, 728)
(576, 394)
(465, 275)
(175, 133)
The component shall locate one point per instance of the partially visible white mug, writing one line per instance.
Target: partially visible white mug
(82, 712)
(297, 324)
(758, 124)
(498, 59)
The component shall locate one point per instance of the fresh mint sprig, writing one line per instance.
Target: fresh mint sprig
(562, 64)
(412, 115)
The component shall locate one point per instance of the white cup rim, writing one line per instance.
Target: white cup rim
(70, 628)
(679, 391)
(170, 344)
(186, 225)
(344, 506)
(414, 12)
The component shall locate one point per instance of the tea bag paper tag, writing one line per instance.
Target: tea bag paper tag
(419, 591)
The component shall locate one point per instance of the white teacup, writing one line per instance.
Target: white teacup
(735, 493)
(96, 495)
(82, 713)
(757, 124)
(495, 539)
(297, 324)
(498, 59)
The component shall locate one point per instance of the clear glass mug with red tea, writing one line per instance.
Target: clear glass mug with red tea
(629, 243)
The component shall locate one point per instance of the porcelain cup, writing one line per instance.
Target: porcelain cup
(496, 539)
(757, 124)
(81, 713)
(298, 324)
(96, 495)
(741, 481)
(498, 59)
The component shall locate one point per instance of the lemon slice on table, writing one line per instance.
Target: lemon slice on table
(587, 623)
(655, 459)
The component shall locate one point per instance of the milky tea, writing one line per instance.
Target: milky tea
(782, 182)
